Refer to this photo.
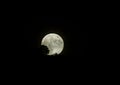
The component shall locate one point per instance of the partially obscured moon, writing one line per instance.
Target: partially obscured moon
(54, 43)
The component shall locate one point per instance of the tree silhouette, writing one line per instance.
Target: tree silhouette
(44, 50)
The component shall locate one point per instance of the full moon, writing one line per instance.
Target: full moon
(54, 43)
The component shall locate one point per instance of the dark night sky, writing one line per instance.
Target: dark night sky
(73, 30)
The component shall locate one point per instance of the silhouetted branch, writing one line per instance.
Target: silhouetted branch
(44, 50)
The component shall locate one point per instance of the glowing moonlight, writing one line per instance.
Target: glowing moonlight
(54, 43)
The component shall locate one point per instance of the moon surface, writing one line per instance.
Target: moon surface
(54, 43)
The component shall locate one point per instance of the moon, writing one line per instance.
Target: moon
(54, 43)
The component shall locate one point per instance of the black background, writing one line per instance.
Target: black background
(73, 30)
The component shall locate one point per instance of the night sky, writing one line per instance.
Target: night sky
(73, 30)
